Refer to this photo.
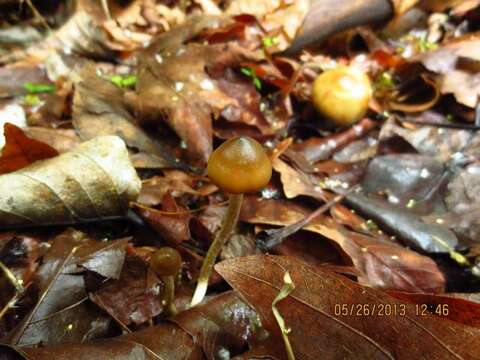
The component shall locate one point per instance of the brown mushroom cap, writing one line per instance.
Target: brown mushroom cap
(166, 261)
(342, 95)
(239, 165)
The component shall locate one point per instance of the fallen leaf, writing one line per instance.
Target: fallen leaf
(463, 84)
(297, 183)
(54, 191)
(226, 324)
(134, 297)
(99, 109)
(20, 150)
(174, 181)
(224, 321)
(183, 85)
(171, 223)
(315, 308)
(383, 264)
(61, 313)
(445, 306)
(62, 140)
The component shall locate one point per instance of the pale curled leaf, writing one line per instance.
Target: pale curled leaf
(94, 180)
(287, 288)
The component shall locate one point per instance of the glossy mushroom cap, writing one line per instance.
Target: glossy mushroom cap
(342, 95)
(166, 261)
(239, 165)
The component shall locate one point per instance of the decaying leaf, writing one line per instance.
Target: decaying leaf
(55, 191)
(223, 324)
(383, 264)
(61, 313)
(99, 109)
(20, 150)
(456, 80)
(182, 84)
(354, 318)
(134, 297)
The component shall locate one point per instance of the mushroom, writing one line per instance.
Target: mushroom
(342, 95)
(240, 165)
(166, 263)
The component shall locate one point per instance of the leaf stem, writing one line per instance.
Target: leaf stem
(228, 224)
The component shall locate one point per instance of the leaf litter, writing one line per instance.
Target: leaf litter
(110, 116)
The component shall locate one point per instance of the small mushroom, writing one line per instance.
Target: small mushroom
(342, 95)
(166, 263)
(240, 165)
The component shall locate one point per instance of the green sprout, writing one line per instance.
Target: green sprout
(251, 74)
(31, 100)
(38, 88)
(270, 41)
(124, 81)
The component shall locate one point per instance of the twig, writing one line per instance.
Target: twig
(270, 238)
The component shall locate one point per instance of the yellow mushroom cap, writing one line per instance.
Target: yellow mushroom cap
(239, 165)
(166, 261)
(342, 94)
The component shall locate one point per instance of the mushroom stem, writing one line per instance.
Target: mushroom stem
(169, 294)
(228, 225)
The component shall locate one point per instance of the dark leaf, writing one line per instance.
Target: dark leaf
(314, 308)
(134, 297)
(382, 264)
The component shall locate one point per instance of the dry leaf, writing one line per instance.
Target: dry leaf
(94, 180)
(463, 84)
(99, 109)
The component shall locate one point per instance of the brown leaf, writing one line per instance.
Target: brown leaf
(61, 313)
(315, 308)
(295, 182)
(99, 109)
(184, 86)
(20, 150)
(134, 297)
(460, 82)
(223, 322)
(447, 307)
(55, 191)
(383, 264)
(172, 222)
(62, 140)
(227, 323)
(174, 181)
(166, 341)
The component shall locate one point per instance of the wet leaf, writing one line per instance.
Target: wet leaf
(134, 297)
(403, 177)
(314, 307)
(174, 181)
(20, 150)
(224, 324)
(171, 223)
(412, 230)
(54, 191)
(383, 264)
(184, 86)
(61, 313)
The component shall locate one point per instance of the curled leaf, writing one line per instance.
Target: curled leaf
(55, 191)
